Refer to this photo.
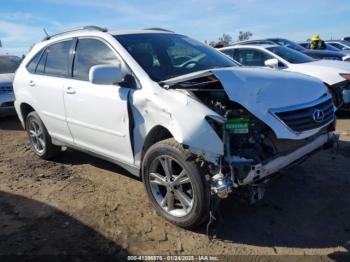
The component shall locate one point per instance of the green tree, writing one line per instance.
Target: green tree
(244, 35)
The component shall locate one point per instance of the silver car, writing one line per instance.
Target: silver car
(8, 66)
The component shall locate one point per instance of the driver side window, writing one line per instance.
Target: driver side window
(90, 52)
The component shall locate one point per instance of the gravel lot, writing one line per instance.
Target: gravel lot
(80, 205)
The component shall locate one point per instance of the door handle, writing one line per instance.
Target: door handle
(70, 90)
(31, 83)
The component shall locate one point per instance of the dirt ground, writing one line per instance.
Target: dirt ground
(78, 205)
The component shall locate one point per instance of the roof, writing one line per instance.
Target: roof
(140, 31)
(245, 42)
(92, 28)
(263, 46)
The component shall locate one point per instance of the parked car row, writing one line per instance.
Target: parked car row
(334, 74)
(317, 54)
(8, 66)
(330, 48)
(192, 122)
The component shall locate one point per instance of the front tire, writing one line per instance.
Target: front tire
(175, 186)
(39, 138)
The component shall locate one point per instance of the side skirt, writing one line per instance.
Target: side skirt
(134, 170)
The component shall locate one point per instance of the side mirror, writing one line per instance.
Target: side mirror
(272, 63)
(106, 74)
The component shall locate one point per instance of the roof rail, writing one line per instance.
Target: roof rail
(159, 29)
(88, 27)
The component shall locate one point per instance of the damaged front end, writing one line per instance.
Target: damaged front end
(262, 128)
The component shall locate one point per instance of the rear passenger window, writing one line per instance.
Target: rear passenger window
(90, 52)
(229, 52)
(34, 62)
(57, 59)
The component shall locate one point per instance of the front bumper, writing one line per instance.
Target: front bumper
(261, 171)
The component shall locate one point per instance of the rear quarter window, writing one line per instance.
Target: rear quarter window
(31, 67)
(53, 61)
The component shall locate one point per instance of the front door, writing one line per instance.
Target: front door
(97, 115)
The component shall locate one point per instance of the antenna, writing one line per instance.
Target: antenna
(47, 35)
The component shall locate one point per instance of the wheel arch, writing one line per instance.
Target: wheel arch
(25, 109)
(156, 134)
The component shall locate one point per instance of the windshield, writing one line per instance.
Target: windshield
(292, 56)
(8, 64)
(165, 56)
(289, 44)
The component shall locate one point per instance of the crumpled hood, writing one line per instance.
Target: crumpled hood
(261, 90)
(6, 78)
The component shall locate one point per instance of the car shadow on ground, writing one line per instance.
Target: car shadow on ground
(10, 123)
(31, 230)
(307, 206)
(74, 157)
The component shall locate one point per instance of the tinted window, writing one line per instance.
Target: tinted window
(8, 64)
(164, 56)
(57, 59)
(336, 45)
(290, 55)
(251, 57)
(33, 64)
(229, 52)
(91, 52)
(289, 44)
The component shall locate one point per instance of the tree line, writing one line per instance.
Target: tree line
(226, 39)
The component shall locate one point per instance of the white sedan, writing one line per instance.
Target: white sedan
(8, 66)
(335, 74)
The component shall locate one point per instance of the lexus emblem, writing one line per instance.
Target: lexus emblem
(318, 116)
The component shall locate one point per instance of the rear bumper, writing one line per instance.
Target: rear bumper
(261, 171)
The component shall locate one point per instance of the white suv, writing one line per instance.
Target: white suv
(181, 115)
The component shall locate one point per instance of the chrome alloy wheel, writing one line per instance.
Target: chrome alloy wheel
(36, 135)
(171, 186)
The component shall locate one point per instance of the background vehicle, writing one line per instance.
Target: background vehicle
(339, 44)
(335, 74)
(193, 128)
(8, 66)
(317, 54)
(347, 38)
(330, 48)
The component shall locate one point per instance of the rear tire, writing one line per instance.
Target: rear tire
(39, 138)
(180, 194)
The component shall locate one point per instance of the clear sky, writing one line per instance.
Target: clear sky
(21, 21)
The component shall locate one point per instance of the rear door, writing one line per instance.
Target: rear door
(48, 70)
(97, 115)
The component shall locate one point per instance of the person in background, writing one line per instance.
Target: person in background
(317, 43)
